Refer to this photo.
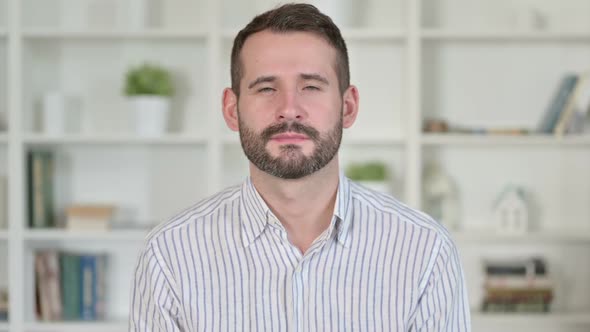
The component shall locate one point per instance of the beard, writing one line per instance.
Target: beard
(291, 163)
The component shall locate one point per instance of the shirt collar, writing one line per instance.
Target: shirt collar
(254, 213)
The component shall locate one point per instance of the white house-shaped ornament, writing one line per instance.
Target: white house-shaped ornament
(511, 214)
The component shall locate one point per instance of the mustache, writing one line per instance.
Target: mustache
(294, 127)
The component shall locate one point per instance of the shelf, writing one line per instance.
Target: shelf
(67, 235)
(78, 326)
(112, 35)
(349, 34)
(534, 237)
(504, 140)
(113, 139)
(529, 318)
(436, 34)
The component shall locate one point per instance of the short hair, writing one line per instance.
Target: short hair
(294, 17)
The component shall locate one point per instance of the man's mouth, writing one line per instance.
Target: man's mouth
(289, 137)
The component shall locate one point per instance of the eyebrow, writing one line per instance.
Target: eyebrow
(270, 79)
(262, 79)
(315, 77)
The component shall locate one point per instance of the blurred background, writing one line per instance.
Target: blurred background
(473, 110)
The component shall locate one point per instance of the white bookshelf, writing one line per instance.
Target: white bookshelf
(471, 64)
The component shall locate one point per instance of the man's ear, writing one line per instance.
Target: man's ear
(230, 109)
(350, 106)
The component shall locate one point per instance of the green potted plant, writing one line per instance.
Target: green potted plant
(150, 89)
(371, 174)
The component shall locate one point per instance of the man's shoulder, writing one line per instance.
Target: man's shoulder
(198, 212)
(399, 212)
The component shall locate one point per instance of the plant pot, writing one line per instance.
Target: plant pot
(59, 114)
(151, 115)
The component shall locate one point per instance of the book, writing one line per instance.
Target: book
(93, 290)
(519, 293)
(3, 304)
(557, 104)
(517, 299)
(518, 282)
(48, 285)
(101, 281)
(506, 307)
(518, 267)
(3, 203)
(71, 285)
(88, 287)
(40, 189)
(578, 100)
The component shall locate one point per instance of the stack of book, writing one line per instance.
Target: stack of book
(70, 286)
(89, 217)
(517, 286)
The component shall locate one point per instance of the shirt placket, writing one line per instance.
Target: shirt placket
(298, 296)
(295, 285)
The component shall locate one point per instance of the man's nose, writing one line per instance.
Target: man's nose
(289, 108)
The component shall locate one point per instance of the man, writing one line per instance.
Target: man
(297, 247)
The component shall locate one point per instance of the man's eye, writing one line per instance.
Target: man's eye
(311, 87)
(265, 89)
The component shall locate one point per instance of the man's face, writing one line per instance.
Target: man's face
(290, 107)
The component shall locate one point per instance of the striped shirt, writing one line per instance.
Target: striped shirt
(226, 264)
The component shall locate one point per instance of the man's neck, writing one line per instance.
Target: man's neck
(303, 206)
